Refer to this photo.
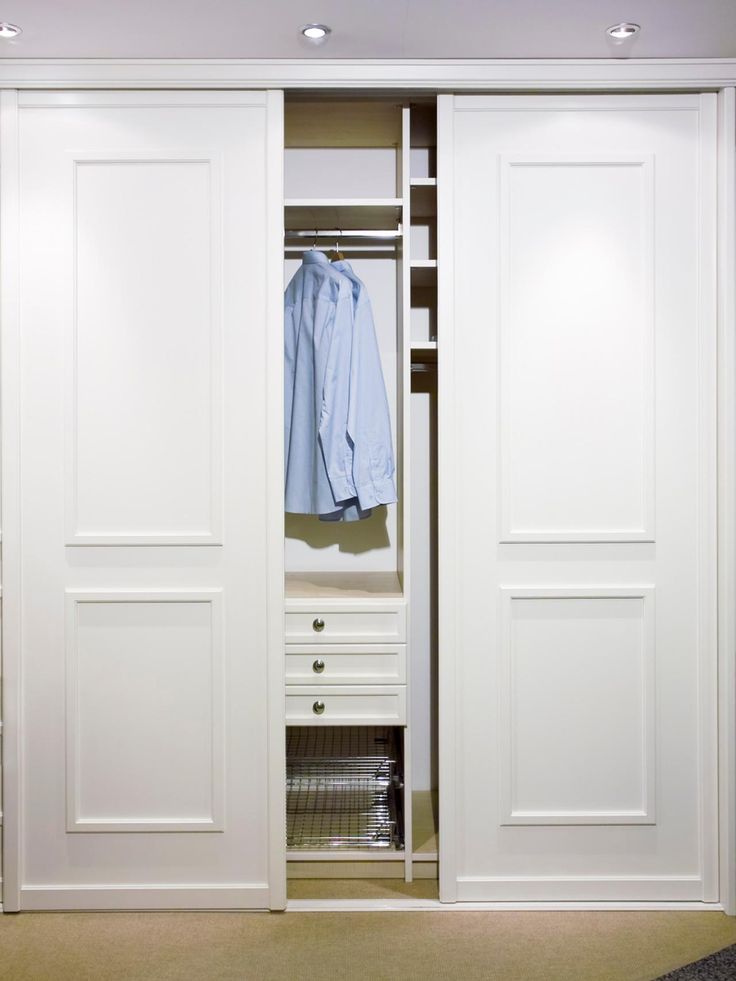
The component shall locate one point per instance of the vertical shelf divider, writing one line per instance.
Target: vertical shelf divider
(404, 266)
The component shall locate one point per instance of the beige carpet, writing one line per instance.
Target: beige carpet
(355, 946)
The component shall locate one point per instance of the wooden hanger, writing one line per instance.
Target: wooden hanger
(336, 255)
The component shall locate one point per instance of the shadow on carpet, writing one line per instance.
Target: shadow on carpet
(717, 967)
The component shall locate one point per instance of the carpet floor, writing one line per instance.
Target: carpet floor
(411, 946)
(717, 967)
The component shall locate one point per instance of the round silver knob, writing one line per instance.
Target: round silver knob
(318, 708)
(318, 666)
(318, 624)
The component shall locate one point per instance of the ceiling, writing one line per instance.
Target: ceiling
(368, 29)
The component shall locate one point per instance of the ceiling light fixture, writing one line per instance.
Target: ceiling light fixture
(316, 32)
(621, 32)
(9, 30)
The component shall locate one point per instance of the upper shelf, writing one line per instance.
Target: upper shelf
(342, 213)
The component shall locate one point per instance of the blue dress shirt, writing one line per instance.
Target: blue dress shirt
(338, 454)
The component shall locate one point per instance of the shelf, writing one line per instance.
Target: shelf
(341, 124)
(424, 352)
(343, 585)
(423, 197)
(423, 272)
(342, 213)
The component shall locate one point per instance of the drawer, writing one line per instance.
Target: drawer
(346, 664)
(346, 706)
(335, 625)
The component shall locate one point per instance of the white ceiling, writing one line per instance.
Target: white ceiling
(368, 29)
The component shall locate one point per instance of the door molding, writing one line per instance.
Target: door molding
(11, 497)
(432, 74)
(726, 299)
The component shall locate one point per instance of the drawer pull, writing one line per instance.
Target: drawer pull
(318, 624)
(318, 666)
(318, 708)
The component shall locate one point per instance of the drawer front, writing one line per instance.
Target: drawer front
(358, 705)
(325, 626)
(346, 664)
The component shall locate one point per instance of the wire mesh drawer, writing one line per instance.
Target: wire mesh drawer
(343, 788)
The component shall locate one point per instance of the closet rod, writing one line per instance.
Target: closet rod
(340, 234)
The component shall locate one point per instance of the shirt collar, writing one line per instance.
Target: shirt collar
(314, 255)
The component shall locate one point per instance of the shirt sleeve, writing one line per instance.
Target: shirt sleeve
(369, 422)
(333, 424)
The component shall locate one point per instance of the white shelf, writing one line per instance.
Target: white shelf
(343, 585)
(347, 855)
(423, 272)
(423, 352)
(342, 213)
(423, 197)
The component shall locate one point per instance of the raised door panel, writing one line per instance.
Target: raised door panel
(145, 711)
(577, 494)
(144, 419)
(140, 552)
(579, 228)
(577, 706)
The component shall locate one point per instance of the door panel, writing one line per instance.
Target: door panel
(146, 477)
(577, 409)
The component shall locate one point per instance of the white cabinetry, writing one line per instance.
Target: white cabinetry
(550, 276)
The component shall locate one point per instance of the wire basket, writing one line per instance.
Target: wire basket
(343, 788)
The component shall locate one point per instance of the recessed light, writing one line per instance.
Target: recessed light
(316, 32)
(623, 31)
(9, 30)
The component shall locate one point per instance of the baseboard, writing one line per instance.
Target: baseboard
(153, 897)
(433, 905)
(585, 889)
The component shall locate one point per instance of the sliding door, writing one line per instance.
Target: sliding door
(142, 435)
(577, 498)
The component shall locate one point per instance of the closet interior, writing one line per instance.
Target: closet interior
(360, 178)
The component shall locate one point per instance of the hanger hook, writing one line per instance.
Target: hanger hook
(314, 246)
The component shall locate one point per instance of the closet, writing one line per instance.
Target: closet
(360, 176)
(508, 680)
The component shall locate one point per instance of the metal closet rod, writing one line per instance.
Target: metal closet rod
(339, 233)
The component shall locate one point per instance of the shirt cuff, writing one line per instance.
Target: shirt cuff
(342, 489)
(381, 491)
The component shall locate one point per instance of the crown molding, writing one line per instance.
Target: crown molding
(387, 74)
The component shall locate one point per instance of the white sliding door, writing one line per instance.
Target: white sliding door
(142, 436)
(577, 498)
